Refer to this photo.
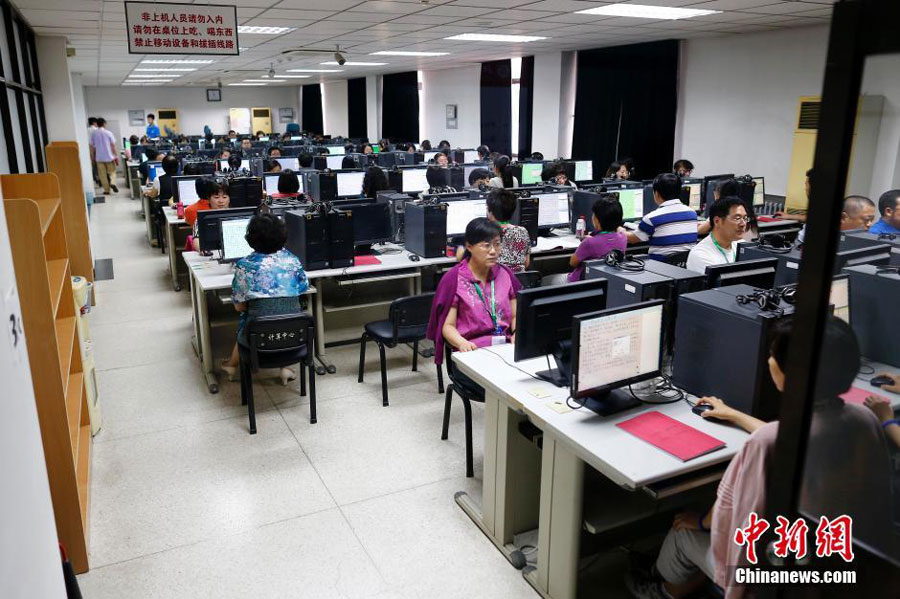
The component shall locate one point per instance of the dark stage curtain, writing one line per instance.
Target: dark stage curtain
(400, 107)
(625, 103)
(496, 105)
(311, 113)
(356, 107)
(526, 105)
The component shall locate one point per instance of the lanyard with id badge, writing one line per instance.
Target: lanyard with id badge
(497, 338)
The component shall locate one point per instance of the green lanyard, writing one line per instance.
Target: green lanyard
(719, 247)
(492, 310)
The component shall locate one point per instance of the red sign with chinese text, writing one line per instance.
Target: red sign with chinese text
(169, 28)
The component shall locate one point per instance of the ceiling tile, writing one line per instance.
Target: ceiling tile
(332, 5)
(383, 6)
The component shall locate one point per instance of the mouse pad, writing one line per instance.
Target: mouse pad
(365, 260)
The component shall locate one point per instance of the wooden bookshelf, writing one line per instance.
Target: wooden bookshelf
(63, 161)
(37, 235)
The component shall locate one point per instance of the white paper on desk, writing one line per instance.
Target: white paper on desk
(538, 392)
(560, 407)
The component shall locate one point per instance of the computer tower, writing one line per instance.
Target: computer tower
(307, 238)
(245, 192)
(526, 215)
(789, 263)
(322, 186)
(340, 242)
(397, 202)
(629, 287)
(860, 238)
(722, 349)
(874, 298)
(684, 280)
(426, 229)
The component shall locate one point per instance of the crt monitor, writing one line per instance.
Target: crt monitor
(208, 225)
(840, 297)
(553, 210)
(349, 183)
(234, 238)
(614, 348)
(461, 212)
(292, 163)
(413, 180)
(584, 170)
(270, 183)
(186, 190)
(544, 322)
(335, 162)
(532, 172)
(756, 273)
(759, 192)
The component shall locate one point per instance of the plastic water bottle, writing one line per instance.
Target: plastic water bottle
(179, 209)
(580, 227)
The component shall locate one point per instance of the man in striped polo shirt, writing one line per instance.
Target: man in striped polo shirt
(672, 227)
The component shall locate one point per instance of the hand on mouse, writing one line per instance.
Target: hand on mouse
(719, 411)
(893, 387)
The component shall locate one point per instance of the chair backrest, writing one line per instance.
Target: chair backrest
(409, 315)
(462, 384)
(530, 278)
(279, 333)
(678, 258)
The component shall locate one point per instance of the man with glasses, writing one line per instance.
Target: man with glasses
(729, 220)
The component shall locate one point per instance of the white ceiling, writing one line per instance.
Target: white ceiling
(96, 29)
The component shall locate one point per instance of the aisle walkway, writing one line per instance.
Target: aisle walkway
(185, 503)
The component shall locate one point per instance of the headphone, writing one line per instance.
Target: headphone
(886, 236)
(769, 300)
(617, 259)
(775, 244)
(881, 271)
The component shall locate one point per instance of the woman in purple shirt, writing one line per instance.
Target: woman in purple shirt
(607, 218)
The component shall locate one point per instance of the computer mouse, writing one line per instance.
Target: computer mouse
(414, 257)
(700, 408)
(880, 381)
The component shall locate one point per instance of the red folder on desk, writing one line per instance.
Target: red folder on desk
(366, 260)
(674, 437)
(767, 219)
(857, 395)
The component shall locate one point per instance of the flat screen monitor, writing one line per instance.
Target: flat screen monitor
(461, 212)
(208, 225)
(153, 168)
(350, 183)
(616, 347)
(270, 183)
(840, 297)
(694, 195)
(334, 162)
(371, 222)
(467, 170)
(234, 243)
(532, 173)
(470, 155)
(632, 200)
(187, 191)
(413, 180)
(292, 163)
(759, 192)
(756, 273)
(335, 150)
(553, 210)
(709, 187)
(430, 154)
(584, 170)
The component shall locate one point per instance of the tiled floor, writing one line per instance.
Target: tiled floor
(185, 503)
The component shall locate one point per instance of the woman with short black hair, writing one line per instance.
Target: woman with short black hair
(374, 181)
(515, 243)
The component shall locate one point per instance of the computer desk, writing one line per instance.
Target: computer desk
(173, 224)
(516, 499)
(147, 206)
(133, 177)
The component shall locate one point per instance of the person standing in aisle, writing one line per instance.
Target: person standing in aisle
(104, 153)
(152, 128)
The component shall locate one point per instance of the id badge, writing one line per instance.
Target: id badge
(498, 340)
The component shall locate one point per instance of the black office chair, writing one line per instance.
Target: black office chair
(468, 391)
(530, 278)
(278, 342)
(678, 258)
(406, 323)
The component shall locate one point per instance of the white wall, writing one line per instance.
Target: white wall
(881, 78)
(373, 107)
(113, 103)
(84, 152)
(545, 121)
(59, 107)
(334, 108)
(460, 86)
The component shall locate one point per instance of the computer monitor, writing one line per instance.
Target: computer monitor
(544, 322)
(335, 162)
(840, 297)
(614, 348)
(292, 163)
(186, 190)
(584, 170)
(694, 197)
(708, 187)
(332, 150)
(233, 242)
(371, 223)
(553, 210)
(413, 180)
(532, 172)
(153, 168)
(632, 201)
(470, 155)
(270, 183)
(349, 183)
(429, 155)
(756, 273)
(467, 170)
(461, 212)
(759, 192)
(208, 225)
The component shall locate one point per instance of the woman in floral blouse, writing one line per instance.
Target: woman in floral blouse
(515, 243)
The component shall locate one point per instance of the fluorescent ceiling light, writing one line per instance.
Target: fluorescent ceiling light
(149, 61)
(293, 76)
(494, 37)
(643, 11)
(154, 76)
(247, 84)
(146, 81)
(167, 69)
(350, 63)
(314, 71)
(405, 53)
(263, 80)
(264, 30)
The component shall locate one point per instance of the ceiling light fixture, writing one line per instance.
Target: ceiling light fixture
(494, 37)
(643, 11)
(293, 76)
(156, 61)
(247, 84)
(262, 80)
(406, 53)
(264, 30)
(167, 69)
(351, 63)
(155, 75)
(315, 71)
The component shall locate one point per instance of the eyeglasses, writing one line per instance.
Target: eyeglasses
(739, 219)
(488, 246)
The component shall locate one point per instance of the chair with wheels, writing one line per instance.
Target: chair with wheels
(530, 278)
(278, 341)
(406, 323)
(468, 391)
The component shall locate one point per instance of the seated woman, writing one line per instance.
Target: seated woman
(701, 546)
(503, 177)
(438, 181)
(374, 181)
(607, 218)
(515, 243)
(213, 194)
(268, 281)
(288, 185)
(618, 170)
(270, 165)
(348, 162)
(557, 174)
(475, 302)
